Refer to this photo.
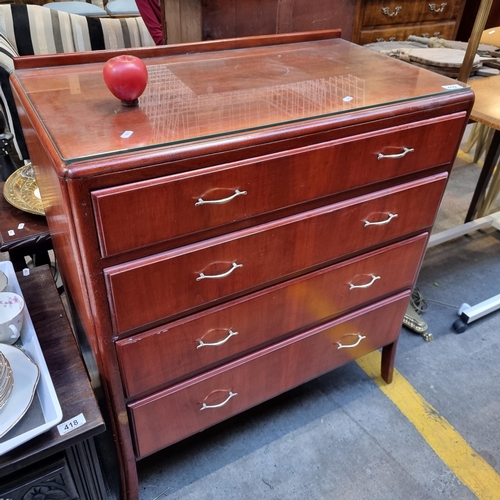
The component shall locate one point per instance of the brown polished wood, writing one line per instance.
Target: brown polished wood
(262, 317)
(260, 254)
(259, 183)
(262, 375)
(343, 155)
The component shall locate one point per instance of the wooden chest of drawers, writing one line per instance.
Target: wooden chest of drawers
(269, 201)
(387, 20)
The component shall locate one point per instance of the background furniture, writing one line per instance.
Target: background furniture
(378, 20)
(240, 176)
(192, 20)
(65, 466)
(56, 32)
(362, 21)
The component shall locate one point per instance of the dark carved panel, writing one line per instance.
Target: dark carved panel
(48, 482)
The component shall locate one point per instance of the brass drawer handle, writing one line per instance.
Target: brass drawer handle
(386, 11)
(349, 346)
(382, 222)
(237, 193)
(203, 276)
(406, 150)
(204, 406)
(434, 8)
(215, 344)
(367, 285)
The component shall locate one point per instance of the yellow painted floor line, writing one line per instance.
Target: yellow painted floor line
(467, 465)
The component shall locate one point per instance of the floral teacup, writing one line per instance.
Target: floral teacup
(11, 316)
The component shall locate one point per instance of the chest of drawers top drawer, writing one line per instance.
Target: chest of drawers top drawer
(162, 209)
(152, 289)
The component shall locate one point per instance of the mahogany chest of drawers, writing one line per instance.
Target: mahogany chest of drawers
(258, 220)
(387, 20)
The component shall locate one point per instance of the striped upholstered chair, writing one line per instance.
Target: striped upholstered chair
(32, 29)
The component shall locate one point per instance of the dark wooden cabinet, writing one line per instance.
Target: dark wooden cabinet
(194, 20)
(54, 464)
(268, 202)
(386, 20)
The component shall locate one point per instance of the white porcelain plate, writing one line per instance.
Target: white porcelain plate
(26, 375)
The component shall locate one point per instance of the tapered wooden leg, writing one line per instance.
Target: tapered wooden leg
(388, 356)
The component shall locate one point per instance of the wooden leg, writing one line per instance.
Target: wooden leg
(489, 165)
(388, 357)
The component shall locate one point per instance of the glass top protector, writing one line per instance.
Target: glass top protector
(200, 96)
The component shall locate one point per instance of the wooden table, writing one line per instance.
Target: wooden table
(67, 462)
(192, 20)
(486, 110)
(32, 239)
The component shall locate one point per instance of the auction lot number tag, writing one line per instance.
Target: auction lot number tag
(71, 424)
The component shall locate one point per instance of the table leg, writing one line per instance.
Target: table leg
(489, 165)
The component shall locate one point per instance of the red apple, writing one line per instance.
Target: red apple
(126, 77)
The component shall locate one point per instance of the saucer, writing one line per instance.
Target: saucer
(26, 376)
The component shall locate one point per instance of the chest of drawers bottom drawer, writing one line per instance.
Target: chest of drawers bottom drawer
(197, 404)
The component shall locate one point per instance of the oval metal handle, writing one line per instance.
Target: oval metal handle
(406, 150)
(203, 276)
(386, 11)
(215, 344)
(349, 346)
(204, 406)
(368, 285)
(237, 193)
(382, 222)
(434, 8)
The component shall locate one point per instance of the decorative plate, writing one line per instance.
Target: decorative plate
(26, 376)
(21, 191)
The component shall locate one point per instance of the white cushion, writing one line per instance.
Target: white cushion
(122, 8)
(82, 8)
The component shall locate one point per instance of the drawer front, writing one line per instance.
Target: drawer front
(392, 13)
(443, 30)
(181, 349)
(437, 10)
(148, 290)
(246, 189)
(190, 407)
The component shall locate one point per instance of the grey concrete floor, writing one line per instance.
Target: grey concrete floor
(339, 436)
